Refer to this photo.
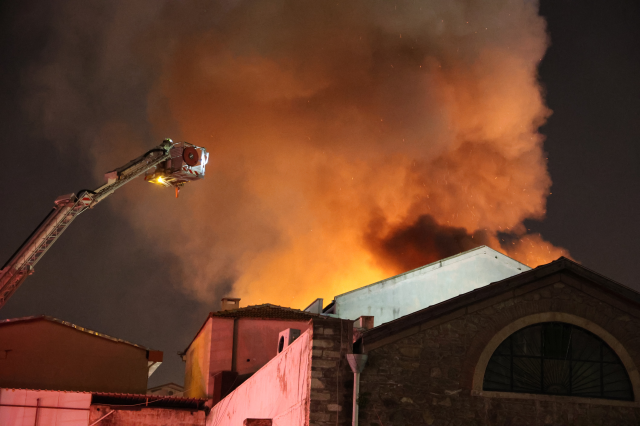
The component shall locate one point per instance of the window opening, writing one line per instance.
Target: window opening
(555, 358)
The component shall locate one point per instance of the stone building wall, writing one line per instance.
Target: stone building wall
(424, 375)
(331, 376)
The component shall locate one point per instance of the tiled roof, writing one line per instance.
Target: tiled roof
(267, 311)
(44, 390)
(144, 400)
(132, 399)
(68, 324)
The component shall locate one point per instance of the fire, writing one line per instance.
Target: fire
(342, 153)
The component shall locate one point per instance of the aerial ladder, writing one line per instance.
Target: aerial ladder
(171, 164)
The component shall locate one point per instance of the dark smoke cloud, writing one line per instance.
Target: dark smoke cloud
(321, 118)
(409, 246)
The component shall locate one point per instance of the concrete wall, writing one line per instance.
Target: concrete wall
(432, 373)
(41, 354)
(409, 292)
(56, 408)
(144, 416)
(279, 391)
(257, 341)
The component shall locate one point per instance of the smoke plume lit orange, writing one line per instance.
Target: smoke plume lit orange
(348, 142)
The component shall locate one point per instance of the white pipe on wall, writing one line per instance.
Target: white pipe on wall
(357, 363)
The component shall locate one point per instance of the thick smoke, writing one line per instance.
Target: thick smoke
(348, 141)
(420, 243)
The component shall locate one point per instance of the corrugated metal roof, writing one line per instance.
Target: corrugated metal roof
(144, 400)
(68, 324)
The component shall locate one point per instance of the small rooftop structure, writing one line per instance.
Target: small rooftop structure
(229, 303)
(166, 389)
(428, 285)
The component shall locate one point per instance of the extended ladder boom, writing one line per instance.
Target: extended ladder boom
(68, 207)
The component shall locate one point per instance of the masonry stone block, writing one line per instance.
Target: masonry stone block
(317, 343)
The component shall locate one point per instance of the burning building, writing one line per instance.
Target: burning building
(551, 345)
(557, 344)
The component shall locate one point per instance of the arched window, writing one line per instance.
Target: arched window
(557, 359)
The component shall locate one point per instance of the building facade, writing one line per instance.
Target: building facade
(558, 345)
(234, 343)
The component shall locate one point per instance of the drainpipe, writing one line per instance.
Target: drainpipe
(357, 363)
(37, 411)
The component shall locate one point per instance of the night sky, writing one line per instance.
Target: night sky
(105, 275)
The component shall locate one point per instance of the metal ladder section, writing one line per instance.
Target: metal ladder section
(17, 270)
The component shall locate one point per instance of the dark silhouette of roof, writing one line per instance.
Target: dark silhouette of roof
(68, 324)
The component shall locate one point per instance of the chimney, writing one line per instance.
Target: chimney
(229, 303)
(364, 322)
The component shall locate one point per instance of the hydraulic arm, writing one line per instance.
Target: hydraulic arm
(168, 164)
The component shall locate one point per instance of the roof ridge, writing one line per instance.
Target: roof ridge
(71, 325)
(448, 259)
(145, 395)
(265, 305)
(482, 293)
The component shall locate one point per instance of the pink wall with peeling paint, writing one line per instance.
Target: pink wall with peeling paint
(279, 391)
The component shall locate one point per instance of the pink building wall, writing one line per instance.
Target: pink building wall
(221, 351)
(214, 350)
(56, 408)
(280, 391)
(257, 341)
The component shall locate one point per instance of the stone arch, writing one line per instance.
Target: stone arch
(500, 336)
